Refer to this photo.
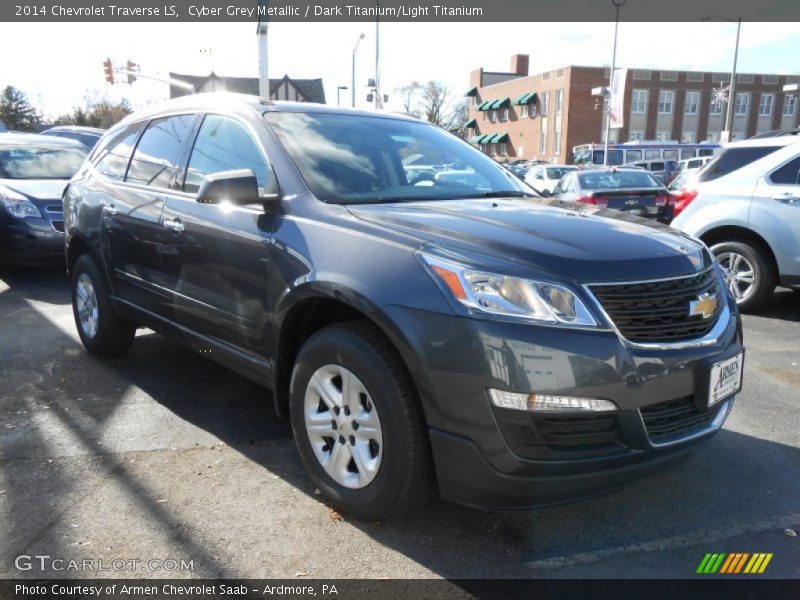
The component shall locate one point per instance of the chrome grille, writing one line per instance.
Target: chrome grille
(658, 311)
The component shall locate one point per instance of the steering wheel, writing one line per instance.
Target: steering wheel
(423, 177)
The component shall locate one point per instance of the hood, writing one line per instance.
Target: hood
(580, 242)
(39, 189)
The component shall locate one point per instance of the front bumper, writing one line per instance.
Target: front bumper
(499, 458)
(32, 242)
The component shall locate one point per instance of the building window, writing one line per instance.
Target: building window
(742, 102)
(738, 136)
(544, 102)
(789, 105)
(485, 116)
(744, 78)
(769, 79)
(503, 149)
(523, 111)
(504, 114)
(695, 77)
(639, 101)
(559, 101)
(560, 74)
(641, 74)
(543, 141)
(687, 137)
(662, 136)
(716, 108)
(711, 137)
(665, 98)
(669, 76)
(492, 116)
(765, 105)
(557, 141)
(692, 102)
(546, 76)
(636, 135)
(721, 77)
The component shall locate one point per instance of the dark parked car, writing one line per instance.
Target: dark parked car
(88, 136)
(34, 170)
(521, 351)
(628, 189)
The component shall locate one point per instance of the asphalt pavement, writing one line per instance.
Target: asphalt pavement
(166, 461)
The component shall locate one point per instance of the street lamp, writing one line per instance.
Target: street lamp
(732, 87)
(617, 4)
(338, 92)
(353, 81)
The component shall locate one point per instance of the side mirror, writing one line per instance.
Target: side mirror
(237, 187)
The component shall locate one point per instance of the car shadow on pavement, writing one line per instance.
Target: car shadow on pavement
(784, 305)
(63, 404)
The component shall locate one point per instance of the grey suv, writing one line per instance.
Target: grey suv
(514, 350)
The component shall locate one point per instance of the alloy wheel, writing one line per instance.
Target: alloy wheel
(86, 302)
(739, 274)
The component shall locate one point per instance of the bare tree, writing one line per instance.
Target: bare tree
(409, 95)
(434, 102)
(97, 111)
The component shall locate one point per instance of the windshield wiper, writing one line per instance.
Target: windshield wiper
(506, 194)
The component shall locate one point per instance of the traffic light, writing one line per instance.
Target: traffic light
(132, 66)
(108, 68)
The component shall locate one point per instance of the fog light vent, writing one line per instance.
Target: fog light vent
(547, 403)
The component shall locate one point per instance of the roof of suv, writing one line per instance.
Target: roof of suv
(781, 140)
(217, 100)
(33, 139)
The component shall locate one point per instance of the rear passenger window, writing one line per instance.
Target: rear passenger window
(115, 156)
(155, 161)
(788, 174)
(732, 159)
(657, 166)
(223, 145)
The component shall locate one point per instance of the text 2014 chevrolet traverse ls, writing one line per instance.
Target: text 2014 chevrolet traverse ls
(517, 351)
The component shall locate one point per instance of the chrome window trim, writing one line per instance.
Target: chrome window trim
(709, 339)
(722, 414)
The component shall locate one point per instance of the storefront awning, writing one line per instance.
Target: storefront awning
(471, 123)
(476, 139)
(472, 92)
(500, 138)
(485, 105)
(500, 103)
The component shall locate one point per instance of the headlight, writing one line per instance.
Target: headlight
(503, 295)
(17, 204)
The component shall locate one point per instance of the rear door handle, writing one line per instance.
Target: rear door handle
(174, 225)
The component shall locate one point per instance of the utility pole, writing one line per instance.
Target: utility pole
(353, 81)
(378, 102)
(263, 63)
(617, 4)
(732, 90)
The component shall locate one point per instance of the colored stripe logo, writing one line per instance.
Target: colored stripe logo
(734, 563)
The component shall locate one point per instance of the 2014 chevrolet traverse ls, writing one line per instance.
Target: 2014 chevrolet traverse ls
(415, 327)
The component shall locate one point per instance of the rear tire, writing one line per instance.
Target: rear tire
(750, 274)
(100, 330)
(378, 468)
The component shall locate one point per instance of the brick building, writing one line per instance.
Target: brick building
(517, 115)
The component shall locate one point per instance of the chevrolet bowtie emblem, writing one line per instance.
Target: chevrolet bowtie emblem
(705, 305)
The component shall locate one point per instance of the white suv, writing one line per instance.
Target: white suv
(745, 205)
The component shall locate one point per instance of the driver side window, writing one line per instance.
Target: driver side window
(224, 144)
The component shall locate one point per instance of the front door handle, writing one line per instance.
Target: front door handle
(787, 198)
(174, 225)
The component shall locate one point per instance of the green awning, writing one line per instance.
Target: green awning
(471, 123)
(499, 138)
(526, 98)
(472, 92)
(476, 139)
(500, 103)
(485, 105)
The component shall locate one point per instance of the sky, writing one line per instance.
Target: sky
(64, 64)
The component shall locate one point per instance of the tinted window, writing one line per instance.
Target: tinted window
(602, 180)
(155, 161)
(223, 145)
(670, 155)
(614, 157)
(657, 166)
(634, 155)
(648, 154)
(557, 172)
(732, 159)
(788, 174)
(115, 156)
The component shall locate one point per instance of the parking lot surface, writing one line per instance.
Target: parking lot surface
(164, 456)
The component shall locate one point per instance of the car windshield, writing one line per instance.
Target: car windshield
(350, 159)
(557, 172)
(601, 180)
(40, 162)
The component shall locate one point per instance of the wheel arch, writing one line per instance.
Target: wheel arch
(729, 233)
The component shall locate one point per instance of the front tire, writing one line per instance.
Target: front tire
(100, 330)
(749, 273)
(357, 424)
